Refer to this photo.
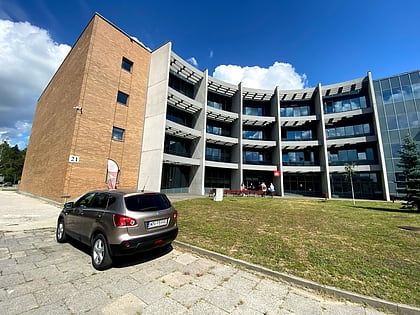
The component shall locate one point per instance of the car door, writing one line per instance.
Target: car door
(91, 215)
(78, 214)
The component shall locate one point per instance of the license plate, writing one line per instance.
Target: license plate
(156, 223)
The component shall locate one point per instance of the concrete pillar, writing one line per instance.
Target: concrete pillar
(278, 158)
(323, 158)
(150, 171)
(197, 173)
(377, 128)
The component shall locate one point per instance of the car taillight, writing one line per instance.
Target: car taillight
(122, 220)
(175, 214)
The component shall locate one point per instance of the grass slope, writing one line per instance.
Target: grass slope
(357, 248)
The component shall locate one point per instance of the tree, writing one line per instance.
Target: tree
(410, 163)
(349, 168)
(11, 162)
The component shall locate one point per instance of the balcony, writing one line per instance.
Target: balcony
(184, 69)
(296, 121)
(331, 143)
(358, 168)
(258, 144)
(179, 160)
(260, 121)
(183, 102)
(302, 169)
(178, 130)
(336, 117)
(221, 140)
(221, 115)
(298, 144)
(217, 164)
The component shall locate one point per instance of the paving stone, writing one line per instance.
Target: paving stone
(18, 305)
(301, 304)
(126, 304)
(241, 284)
(177, 279)
(27, 287)
(204, 307)
(186, 259)
(342, 309)
(10, 280)
(120, 287)
(164, 306)
(188, 295)
(56, 309)
(225, 299)
(85, 301)
(262, 302)
(55, 293)
(153, 291)
(208, 281)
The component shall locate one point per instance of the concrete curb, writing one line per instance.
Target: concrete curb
(353, 297)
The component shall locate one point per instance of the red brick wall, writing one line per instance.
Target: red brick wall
(90, 77)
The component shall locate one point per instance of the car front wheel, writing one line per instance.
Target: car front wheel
(60, 233)
(101, 258)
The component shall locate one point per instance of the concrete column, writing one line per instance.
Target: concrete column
(150, 171)
(323, 158)
(197, 172)
(278, 181)
(377, 127)
(237, 105)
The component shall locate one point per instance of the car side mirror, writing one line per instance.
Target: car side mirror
(69, 205)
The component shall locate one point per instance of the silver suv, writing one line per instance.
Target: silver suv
(115, 223)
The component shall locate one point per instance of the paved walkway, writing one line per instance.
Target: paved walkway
(40, 276)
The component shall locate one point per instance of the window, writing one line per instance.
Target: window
(126, 64)
(122, 98)
(150, 202)
(85, 201)
(117, 134)
(100, 201)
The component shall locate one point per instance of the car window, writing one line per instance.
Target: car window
(85, 201)
(147, 202)
(100, 201)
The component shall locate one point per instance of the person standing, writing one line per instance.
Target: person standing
(264, 189)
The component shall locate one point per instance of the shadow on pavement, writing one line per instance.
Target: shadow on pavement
(128, 260)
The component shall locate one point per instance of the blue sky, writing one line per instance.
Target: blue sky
(292, 44)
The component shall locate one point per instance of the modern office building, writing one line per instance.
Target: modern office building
(116, 111)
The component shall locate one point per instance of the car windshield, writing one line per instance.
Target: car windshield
(147, 202)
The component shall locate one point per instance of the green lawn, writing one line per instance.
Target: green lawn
(357, 248)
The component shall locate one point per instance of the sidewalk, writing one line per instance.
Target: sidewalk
(40, 276)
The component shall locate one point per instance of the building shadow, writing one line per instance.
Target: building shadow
(401, 210)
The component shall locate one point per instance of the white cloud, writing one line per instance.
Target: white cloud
(28, 59)
(279, 74)
(193, 61)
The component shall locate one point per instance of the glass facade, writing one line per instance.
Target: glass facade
(177, 146)
(344, 105)
(302, 184)
(307, 157)
(295, 111)
(361, 156)
(398, 101)
(257, 157)
(366, 185)
(349, 131)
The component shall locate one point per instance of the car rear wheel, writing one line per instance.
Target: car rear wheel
(60, 233)
(101, 258)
